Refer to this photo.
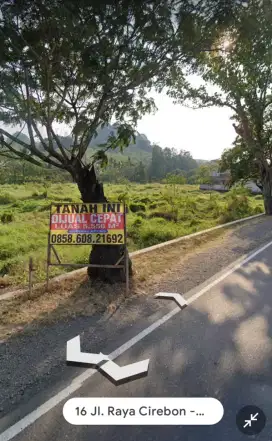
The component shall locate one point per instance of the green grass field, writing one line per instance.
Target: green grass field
(157, 213)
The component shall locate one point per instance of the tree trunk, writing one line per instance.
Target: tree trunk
(267, 191)
(92, 191)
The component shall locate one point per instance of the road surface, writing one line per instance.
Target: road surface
(219, 346)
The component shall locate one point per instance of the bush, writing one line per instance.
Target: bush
(237, 207)
(6, 217)
(144, 200)
(190, 204)
(37, 195)
(142, 214)
(6, 198)
(153, 205)
(134, 208)
(29, 206)
(154, 233)
(137, 222)
(194, 222)
(45, 207)
(169, 216)
(123, 197)
(156, 204)
(258, 209)
(213, 208)
(239, 190)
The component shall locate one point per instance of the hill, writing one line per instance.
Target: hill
(202, 161)
(142, 143)
(140, 150)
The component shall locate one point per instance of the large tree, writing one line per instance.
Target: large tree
(239, 69)
(83, 63)
(241, 163)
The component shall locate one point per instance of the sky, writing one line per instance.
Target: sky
(205, 133)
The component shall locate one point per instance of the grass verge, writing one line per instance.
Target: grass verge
(158, 213)
(79, 296)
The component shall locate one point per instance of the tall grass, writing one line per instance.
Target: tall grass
(157, 214)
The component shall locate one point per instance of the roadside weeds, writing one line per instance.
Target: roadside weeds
(70, 297)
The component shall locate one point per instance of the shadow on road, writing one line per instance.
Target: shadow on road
(220, 346)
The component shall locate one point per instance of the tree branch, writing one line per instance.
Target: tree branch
(56, 138)
(86, 138)
(19, 154)
(28, 106)
(33, 150)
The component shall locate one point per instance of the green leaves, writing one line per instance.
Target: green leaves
(100, 157)
(87, 63)
(241, 164)
(238, 67)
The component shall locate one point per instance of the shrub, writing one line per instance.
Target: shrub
(6, 217)
(37, 195)
(142, 214)
(258, 209)
(169, 216)
(154, 233)
(6, 198)
(137, 207)
(156, 204)
(16, 204)
(29, 206)
(45, 207)
(194, 222)
(190, 204)
(144, 200)
(214, 208)
(239, 190)
(237, 207)
(6, 253)
(123, 197)
(137, 222)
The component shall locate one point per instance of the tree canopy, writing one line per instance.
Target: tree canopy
(237, 74)
(241, 163)
(85, 63)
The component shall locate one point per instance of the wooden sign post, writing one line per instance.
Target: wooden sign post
(88, 224)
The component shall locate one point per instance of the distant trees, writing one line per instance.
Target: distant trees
(175, 179)
(202, 174)
(165, 161)
(164, 164)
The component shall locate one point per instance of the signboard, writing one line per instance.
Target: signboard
(87, 224)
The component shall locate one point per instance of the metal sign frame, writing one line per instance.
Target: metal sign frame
(125, 256)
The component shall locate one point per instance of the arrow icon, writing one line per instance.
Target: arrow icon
(74, 355)
(252, 418)
(111, 369)
(118, 373)
(172, 295)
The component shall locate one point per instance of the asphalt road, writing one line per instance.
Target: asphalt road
(219, 346)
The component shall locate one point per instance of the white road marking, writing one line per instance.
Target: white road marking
(77, 383)
(29, 419)
(172, 295)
